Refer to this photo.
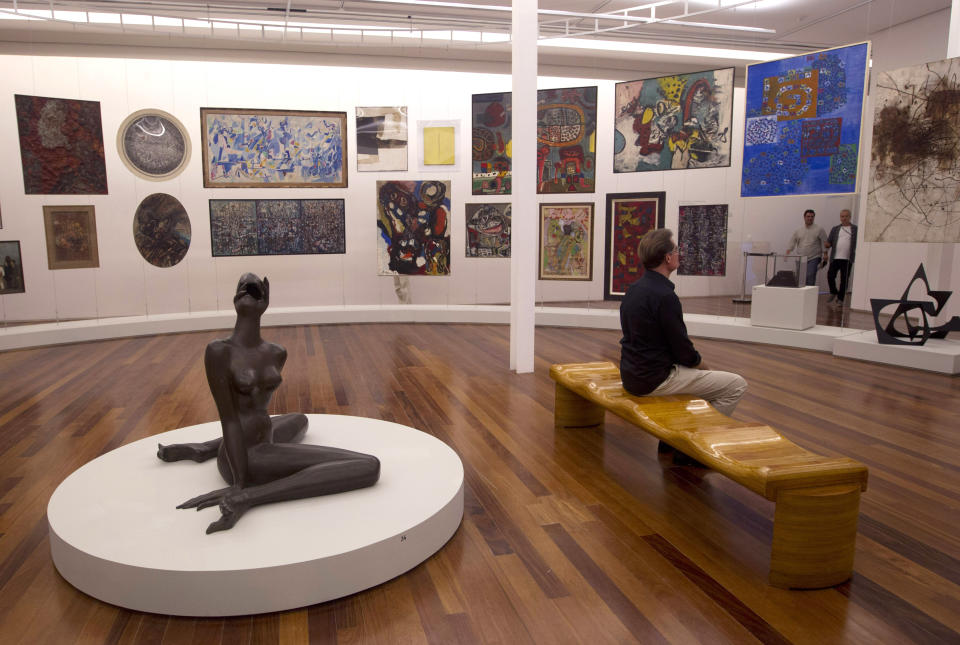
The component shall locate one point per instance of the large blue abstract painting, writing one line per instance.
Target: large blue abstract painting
(273, 148)
(802, 131)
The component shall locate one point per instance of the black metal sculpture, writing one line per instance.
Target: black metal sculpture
(259, 456)
(916, 334)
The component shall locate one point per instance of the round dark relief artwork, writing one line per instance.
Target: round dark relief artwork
(153, 144)
(161, 230)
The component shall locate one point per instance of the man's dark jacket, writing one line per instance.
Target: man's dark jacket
(654, 336)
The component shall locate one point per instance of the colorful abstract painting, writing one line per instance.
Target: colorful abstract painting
(277, 227)
(153, 144)
(11, 268)
(566, 242)
(673, 122)
(914, 193)
(630, 216)
(567, 140)
(61, 146)
(702, 238)
(488, 230)
(381, 138)
(161, 230)
(492, 143)
(273, 148)
(413, 226)
(803, 117)
(71, 233)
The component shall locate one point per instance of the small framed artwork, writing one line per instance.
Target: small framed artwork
(630, 216)
(273, 148)
(381, 138)
(11, 268)
(488, 230)
(566, 242)
(71, 233)
(702, 238)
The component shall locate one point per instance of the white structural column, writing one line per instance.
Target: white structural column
(523, 243)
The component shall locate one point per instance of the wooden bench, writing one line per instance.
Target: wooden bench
(817, 498)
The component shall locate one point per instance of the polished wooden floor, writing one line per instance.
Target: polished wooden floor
(573, 537)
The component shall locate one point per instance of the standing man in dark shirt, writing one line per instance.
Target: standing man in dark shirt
(656, 355)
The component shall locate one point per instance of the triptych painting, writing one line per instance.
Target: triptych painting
(277, 226)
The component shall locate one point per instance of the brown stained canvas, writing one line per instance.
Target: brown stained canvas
(61, 146)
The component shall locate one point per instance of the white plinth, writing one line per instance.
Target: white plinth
(784, 307)
(936, 355)
(116, 534)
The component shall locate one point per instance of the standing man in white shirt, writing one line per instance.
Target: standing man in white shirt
(809, 241)
(842, 243)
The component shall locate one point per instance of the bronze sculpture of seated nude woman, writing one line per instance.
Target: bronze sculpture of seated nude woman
(259, 456)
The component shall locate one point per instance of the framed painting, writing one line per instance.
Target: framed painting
(803, 122)
(567, 140)
(566, 242)
(71, 233)
(673, 122)
(492, 139)
(11, 268)
(702, 238)
(630, 216)
(273, 148)
(153, 145)
(413, 227)
(161, 230)
(276, 227)
(488, 230)
(61, 146)
(914, 175)
(381, 138)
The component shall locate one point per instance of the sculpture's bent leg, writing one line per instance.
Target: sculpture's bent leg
(286, 428)
(289, 428)
(197, 452)
(330, 470)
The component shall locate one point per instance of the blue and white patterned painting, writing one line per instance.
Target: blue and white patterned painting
(273, 148)
(802, 130)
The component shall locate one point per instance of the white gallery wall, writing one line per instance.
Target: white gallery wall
(125, 284)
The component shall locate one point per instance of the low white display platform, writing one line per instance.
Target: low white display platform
(936, 355)
(784, 307)
(116, 534)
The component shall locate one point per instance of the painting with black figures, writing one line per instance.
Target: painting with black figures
(153, 144)
(11, 268)
(277, 226)
(161, 230)
(413, 227)
(702, 239)
(488, 230)
(915, 160)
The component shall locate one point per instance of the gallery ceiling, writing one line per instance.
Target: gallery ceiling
(612, 38)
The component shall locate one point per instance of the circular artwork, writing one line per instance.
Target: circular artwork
(153, 144)
(161, 230)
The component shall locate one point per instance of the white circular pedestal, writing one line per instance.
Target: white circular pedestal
(116, 534)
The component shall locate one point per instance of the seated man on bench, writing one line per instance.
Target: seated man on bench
(656, 355)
